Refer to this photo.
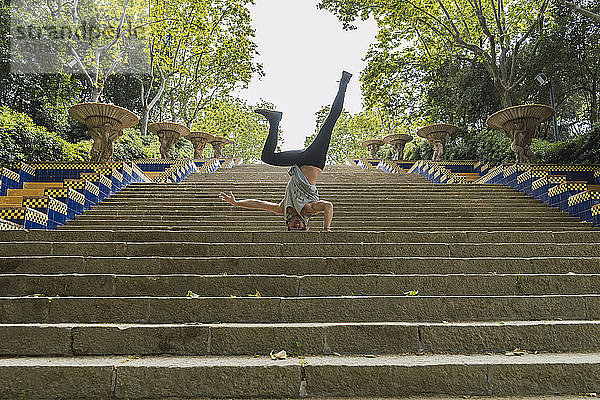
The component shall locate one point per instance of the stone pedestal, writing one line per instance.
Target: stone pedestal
(168, 134)
(521, 124)
(218, 144)
(199, 140)
(105, 123)
(438, 136)
(398, 142)
(373, 145)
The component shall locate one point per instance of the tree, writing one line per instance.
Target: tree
(493, 33)
(208, 55)
(391, 86)
(409, 89)
(44, 97)
(571, 55)
(94, 38)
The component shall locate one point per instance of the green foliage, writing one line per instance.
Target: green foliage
(386, 152)
(418, 149)
(135, 146)
(203, 50)
(583, 149)
(482, 32)
(570, 55)
(348, 134)
(493, 147)
(486, 145)
(236, 120)
(22, 140)
(45, 98)
(183, 149)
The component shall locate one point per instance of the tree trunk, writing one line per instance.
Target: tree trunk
(505, 98)
(504, 93)
(148, 105)
(95, 91)
(144, 120)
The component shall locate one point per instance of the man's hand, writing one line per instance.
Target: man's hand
(228, 198)
(321, 206)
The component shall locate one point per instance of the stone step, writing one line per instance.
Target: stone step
(340, 218)
(297, 265)
(172, 285)
(373, 200)
(339, 227)
(219, 207)
(153, 377)
(331, 189)
(363, 191)
(298, 309)
(342, 221)
(194, 249)
(422, 195)
(220, 236)
(343, 188)
(226, 339)
(339, 212)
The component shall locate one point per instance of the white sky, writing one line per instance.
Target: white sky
(303, 51)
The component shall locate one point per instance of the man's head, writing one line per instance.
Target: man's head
(295, 223)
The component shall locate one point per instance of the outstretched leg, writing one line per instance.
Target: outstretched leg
(316, 153)
(281, 159)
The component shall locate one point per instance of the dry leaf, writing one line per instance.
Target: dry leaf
(516, 352)
(282, 355)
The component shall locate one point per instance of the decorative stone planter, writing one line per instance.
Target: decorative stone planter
(521, 124)
(398, 142)
(168, 133)
(373, 145)
(438, 136)
(199, 140)
(105, 123)
(218, 143)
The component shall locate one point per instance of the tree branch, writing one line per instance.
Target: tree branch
(583, 11)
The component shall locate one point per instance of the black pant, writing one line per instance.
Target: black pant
(316, 153)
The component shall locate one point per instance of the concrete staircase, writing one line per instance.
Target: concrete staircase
(163, 291)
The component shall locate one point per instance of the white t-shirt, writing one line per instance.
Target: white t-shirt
(299, 192)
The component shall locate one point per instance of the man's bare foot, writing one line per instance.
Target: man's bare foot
(270, 115)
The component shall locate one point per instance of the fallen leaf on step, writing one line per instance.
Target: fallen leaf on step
(282, 355)
(257, 294)
(192, 294)
(516, 352)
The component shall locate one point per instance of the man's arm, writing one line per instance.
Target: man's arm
(321, 206)
(252, 203)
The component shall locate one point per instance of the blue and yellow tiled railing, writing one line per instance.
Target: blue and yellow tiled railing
(571, 188)
(56, 192)
(46, 195)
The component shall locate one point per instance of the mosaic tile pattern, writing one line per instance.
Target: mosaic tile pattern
(9, 226)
